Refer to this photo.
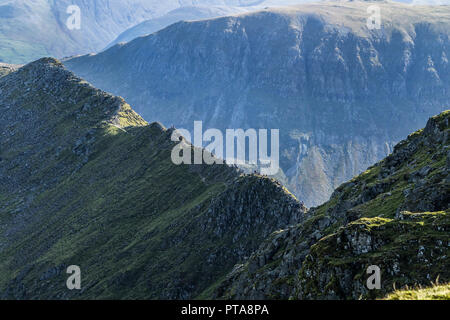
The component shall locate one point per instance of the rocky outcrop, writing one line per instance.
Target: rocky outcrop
(342, 95)
(395, 216)
(7, 68)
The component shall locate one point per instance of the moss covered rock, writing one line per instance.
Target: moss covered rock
(395, 215)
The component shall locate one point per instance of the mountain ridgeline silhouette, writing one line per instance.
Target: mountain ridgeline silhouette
(85, 181)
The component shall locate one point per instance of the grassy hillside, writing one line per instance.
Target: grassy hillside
(86, 181)
(437, 292)
(395, 215)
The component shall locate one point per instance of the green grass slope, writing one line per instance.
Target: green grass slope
(395, 215)
(437, 292)
(85, 181)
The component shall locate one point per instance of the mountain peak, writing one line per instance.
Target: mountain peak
(74, 95)
(46, 61)
(81, 165)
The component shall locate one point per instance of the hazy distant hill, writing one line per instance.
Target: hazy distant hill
(33, 29)
(196, 13)
(184, 13)
(342, 95)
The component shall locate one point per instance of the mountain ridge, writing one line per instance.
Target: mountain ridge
(86, 181)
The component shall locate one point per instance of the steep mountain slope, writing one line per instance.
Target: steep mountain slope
(342, 95)
(86, 181)
(396, 215)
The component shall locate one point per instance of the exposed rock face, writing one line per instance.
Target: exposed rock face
(85, 181)
(342, 95)
(394, 216)
(7, 68)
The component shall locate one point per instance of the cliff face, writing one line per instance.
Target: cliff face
(85, 181)
(395, 216)
(341, 95)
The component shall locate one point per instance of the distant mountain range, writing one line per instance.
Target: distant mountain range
(342, 95)
(33, 29)
(196, 13)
